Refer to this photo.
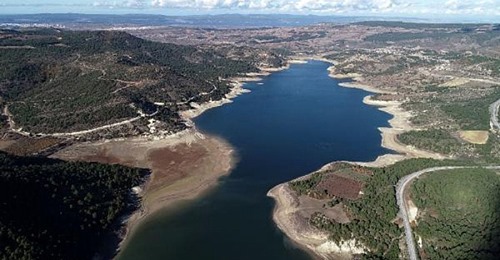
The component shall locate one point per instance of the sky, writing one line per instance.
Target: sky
(410, 8)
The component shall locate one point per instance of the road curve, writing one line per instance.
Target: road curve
(495, 125)
(403, 210)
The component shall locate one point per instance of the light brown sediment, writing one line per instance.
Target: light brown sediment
(183, 172)
(398, 124)
(183, 166)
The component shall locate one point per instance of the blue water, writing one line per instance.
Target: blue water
(294, 123)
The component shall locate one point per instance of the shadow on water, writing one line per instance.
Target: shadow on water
(295, 122)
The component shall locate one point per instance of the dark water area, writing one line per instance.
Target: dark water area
(292, 123)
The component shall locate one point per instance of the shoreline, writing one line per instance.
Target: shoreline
(197, 176)
(221, 160)
(193, 187)
(184, 165)
(286, 203)
(237, 89)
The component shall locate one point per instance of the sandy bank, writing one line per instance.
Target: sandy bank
(287, 217)
(362, 86)
(399, 124)
(182, 172)
(197, 109)
(236, 90)
(356, 81)
(297, 61)
(183, 166)
(286, 213)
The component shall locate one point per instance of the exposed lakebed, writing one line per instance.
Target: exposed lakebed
(293, 122)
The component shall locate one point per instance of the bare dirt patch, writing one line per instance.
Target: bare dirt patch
(340, 186)
(474, 137)
(308, 206)
(23, 146)
(455, 82)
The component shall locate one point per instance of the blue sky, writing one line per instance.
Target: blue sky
(414, 8)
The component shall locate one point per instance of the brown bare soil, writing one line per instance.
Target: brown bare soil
(183, 167)
(340, 186)
(474, 137)
(23, 146)
(309, 206)
(171, 164)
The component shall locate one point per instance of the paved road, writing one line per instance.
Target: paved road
(495, 125)
(403, 210)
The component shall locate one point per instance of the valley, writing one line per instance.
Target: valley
(144, 97)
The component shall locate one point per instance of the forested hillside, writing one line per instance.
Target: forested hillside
(61, 81)
(459, 216)
(52, 209)
(372, 216)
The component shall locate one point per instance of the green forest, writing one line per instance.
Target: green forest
(373, 215)
(61, 81)
(460, 214)
(62, 210)
(472, 114)
(436, 140)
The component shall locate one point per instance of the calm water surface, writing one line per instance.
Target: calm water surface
(292, 124)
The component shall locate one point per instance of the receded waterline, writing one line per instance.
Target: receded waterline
(292, 123)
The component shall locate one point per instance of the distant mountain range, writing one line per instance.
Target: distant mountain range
(73, 20)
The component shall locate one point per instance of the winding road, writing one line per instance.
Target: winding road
(494, 116)
(403, 209)
(406, 180)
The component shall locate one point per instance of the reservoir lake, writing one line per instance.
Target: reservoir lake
(292, 123)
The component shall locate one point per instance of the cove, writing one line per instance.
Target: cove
(292, 123)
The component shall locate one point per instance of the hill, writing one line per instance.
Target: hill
(54, 81)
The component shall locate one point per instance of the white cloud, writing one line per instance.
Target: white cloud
(481, 7)
(121, 3)
(284, 5)
(471, 7)
(478, 8)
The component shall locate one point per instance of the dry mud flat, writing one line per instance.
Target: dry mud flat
(183, 166)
